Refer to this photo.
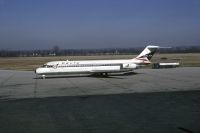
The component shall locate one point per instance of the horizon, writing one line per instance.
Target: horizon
(135, 48)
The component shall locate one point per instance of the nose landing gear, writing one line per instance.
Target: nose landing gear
(43, 76)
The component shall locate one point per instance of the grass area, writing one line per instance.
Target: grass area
(30, 63)
(186, 59)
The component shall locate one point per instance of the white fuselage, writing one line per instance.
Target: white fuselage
(89, 66)
(97, 66)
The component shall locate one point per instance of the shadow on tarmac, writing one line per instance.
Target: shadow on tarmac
(161, 112)
(92, 75)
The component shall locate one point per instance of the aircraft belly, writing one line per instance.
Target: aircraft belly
(95, 69)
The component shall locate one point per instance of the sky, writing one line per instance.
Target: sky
(82, 24)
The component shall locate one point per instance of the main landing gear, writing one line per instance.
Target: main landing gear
(43, 76)
(101, 74)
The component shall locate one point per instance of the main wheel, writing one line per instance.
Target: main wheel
(43, 76)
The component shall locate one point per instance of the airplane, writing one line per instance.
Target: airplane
(98, 67)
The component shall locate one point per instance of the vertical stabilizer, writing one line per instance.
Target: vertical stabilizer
(148, 52)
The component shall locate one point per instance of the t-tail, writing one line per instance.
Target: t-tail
(147, 53)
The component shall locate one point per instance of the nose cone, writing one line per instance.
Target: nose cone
(38, 71)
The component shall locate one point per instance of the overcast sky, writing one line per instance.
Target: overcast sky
(41, 24)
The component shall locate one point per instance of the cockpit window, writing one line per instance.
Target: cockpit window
(44, 66)
(47, 66)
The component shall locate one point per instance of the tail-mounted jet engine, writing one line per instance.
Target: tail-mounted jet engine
(129, 66)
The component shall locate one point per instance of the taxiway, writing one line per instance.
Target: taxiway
(24, 84)
(149, 100)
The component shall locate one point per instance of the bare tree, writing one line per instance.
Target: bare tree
(56, 49)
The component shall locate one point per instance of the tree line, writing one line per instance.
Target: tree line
(56, 51)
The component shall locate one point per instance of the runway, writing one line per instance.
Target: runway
(22, 84)
(149, 100)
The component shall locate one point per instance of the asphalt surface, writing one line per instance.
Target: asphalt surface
(24, 84)
(161, 101)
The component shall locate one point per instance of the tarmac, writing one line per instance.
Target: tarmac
(24, 84)
(148, 100)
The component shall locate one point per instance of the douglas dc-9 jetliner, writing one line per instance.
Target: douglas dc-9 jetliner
(101, 67)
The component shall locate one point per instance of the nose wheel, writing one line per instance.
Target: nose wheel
(43, 76)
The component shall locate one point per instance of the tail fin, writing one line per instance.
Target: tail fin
(148, 52)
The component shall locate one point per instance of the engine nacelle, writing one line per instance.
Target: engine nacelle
(129, 66)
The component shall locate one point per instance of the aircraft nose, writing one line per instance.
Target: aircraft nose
(39, 70)
(35, 71)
